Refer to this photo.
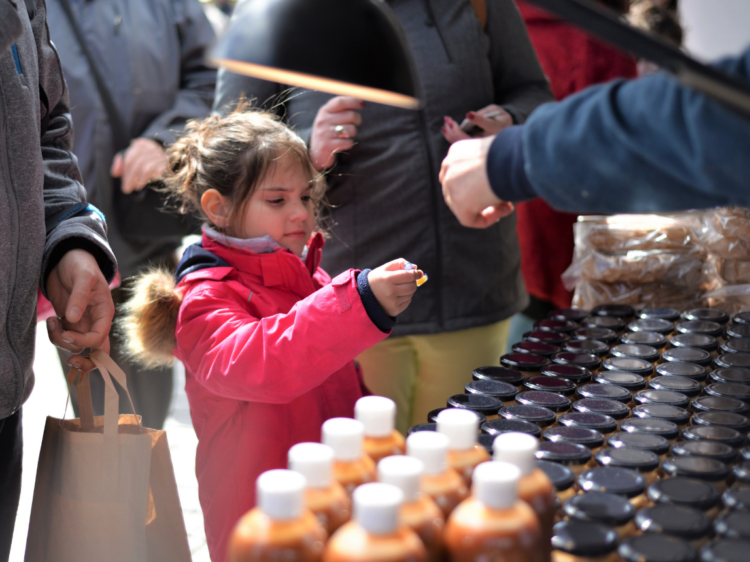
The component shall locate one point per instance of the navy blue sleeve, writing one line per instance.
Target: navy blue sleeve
(376, 313)
(505, 166)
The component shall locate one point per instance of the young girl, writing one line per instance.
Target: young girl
(267, 338)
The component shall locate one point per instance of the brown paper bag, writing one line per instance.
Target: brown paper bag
(105, 488)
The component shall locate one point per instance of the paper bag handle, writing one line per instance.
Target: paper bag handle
(107, 366)
(85, 406)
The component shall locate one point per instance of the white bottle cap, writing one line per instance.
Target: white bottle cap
(313, 461)
(377, 413)
(403, 472)
(280, 494)
(431, 448)
(376, 507)
(460, 426)
(516, 448)
(344, 436)
(495, 484)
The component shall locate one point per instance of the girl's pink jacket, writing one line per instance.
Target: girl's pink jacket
(268, 346)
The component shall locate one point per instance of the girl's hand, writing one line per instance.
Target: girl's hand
(491, 120)
(393, 286)
(334, 129)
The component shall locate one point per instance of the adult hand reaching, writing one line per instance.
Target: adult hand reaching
(80, 295)
(489, 120)
(466, 187)
(334, 129)
(144, 161)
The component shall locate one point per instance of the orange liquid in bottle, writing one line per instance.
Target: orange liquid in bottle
(332, 506)
(378, 415)
(378, 448)
(351, 467)
(462, 427)
(351, 474)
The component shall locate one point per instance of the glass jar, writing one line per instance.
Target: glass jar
(669, 397)
(594, 347)
(718, 451)
(687, 355)
(729, 390)
(602, 423)
(555, 402)
(644, 462)
(706, 314)
(653, 325)
(744, 453)
(586, 360)
(726, 360)
(543, 417)
(636, 351)
(737, 498)
(697, 341)
(576, 457)
(713, 434)
(546, 336)
(502, 425)
(584, 541)
(553, 384)
(736, 375)
(705, 327)
(653, 426)
(552, 325)
(741, 318)
(725, 550)
(629, 364)
(607, 391)
(500, 374)
(739, 345)
(675, 414)
(601, 507)
(735, 525)
(737, 331)
(621, 481)
(503, 391)
(574, 314)
(719, 404)
(485, 441)
(616, 310)
(642, 441)
(671, 314)
(562, 479)
(609, 322)
(689, 370)
(536, 348)
(604, 335)
(652, 339)
(628, 381)
(590, 438)
(478, 403)
(421, 427)
(687, 492)
(576, 375)
(740, 473)
(527, 364)
(725, 419)
(683, 385)
(433, 414)
(654, 547)
(701, 468)
(678, 521)
(612, 408)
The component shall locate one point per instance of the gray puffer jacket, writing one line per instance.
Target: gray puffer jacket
(38, 179)
(385, 191)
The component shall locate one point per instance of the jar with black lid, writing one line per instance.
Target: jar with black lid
(654, 426)
(574, 314)
(733, 360)
(501, 374)
(576, 375)
(687, 492)
(552, 384)
(536, 348)
(618, 310)
(719, 404)
(689, 370)
(553, 325)
(433, 414)
(555, 402)
(738, 331)
(687, 355)
(739, 345)
(737, 498)
(655, 325)
(602, 423)
(705, 327)
(590, 438)
(645, 462)
(735, 525)
(642, 441)
(546, 336)
(675, 414)
(621, 481)
(601, 507)
(485, 441)
(736, 375)
(713, 434)
(421, 427)
(526, 363)
(628, 381)
(717, 451)
(725, 419)
(609, 322)
(503, 391)
(630, 364)
(594, 347)
(744, 453)
(584, 541)
(683, 385)
(594, 333)
(725, 550)
(740, 473)
(741, 318)
(657, 341)
(576, 457)
(697, 341)
(669, 397)
(503, 425)
(612, 408)
(655, 547)
(608, 391)
(671, 314)
(701, 468)
(707, 314)
(586, 360)
(636, 351)
(478, 403)
(562, 479)
(543, 417)
(729, 390)
(678, 521)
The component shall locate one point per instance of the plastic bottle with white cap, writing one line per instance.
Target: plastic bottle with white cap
(376, 533)
(494, 524)
(439, 481)
(351, 465)
(418, 512)
(462, 427)
(534, 487)
(378, 415)
(323, 495)
(280, 527)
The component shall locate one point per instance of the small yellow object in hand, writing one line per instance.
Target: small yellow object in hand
(422, 280)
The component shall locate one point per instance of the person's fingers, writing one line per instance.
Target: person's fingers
(452, 131)
(408, 276)
(484, 123)
(81, 363)
(84, 281)
(343, 103)
(396, 265)
(492, 108)
(347, 117)
(347, 131)
(116, 169)
(56, 336)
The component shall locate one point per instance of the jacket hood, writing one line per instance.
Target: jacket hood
(197, 258)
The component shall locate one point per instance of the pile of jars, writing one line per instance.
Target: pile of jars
(642, 419)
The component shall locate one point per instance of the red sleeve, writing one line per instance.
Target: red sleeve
(277, 358)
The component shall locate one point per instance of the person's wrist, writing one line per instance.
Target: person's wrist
(506, 166)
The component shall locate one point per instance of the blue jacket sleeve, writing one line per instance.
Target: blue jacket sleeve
(636, 146)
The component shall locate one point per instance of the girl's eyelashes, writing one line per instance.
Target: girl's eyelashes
(275, 201)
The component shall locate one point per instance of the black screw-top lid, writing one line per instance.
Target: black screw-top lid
(599, 422)
(612, 408)
(616, 324)
(546, 336)
(700, 327)
(433, 414)
(584, 538)
(595, 333)
(569, 454)
(422, 427)
(590, 438)
(708, 449)
(553, 325)
(744, 453)
(701, 468)
(637, 351)
(732, 374)
(678, 369)
(719, 404)
(524, 362)
(485, 440)
(698, 341)
(574, 314)
(502, 425)
(634, 459)
(628, 381)
(600, 507)
(534, 414)
(536, 347)
(651, 396)
(707, 314)
(498, 374)
(630, 364)
(664, 313)
(733, 360)
(620, 481)
(618, 310)
(741, 473)
(683, 385)
(608, 391)
(735, 525)
(573, 373)
(736, 345)
(681, 490)
(737, 498)
(734, 390)
(643, 441)
(674, 520)
(675, 414)
(500, 390)
(654, 426)
(480, 403)
(687, 355)
(552, 384)
(726, 419)
(653, 339)
(655, 547)
(553, 401)
(595, 347)
(725, 550)
(586, 360)
(656, 325)
(713, 434)
(738, 330)
(742, 318)
(561, 476)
